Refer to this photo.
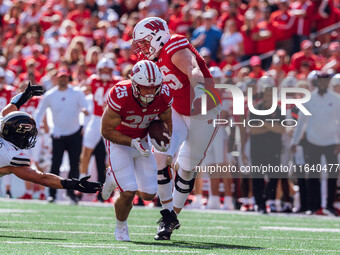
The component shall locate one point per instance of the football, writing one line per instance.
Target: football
(159, 132)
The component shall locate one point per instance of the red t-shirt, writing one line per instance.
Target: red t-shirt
(268, 44)
(299, 57)
(283, 24)
(135, 118)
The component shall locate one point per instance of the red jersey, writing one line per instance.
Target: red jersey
(100, 90)
(31, 105)
(6, 95)
(283, 23)
(299, 57)
(135, 118)
(179, 82)
(303, 24)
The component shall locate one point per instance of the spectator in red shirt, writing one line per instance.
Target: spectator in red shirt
(17, 63)
(206, 55)
(79, 14)
(334, 60)
(279, 67)
(247, 31)
(228, 59)
(327, 15)
(303, 10)
(256, 69)
(49, 16)
(264, 35)
(305, 55)
(283, 23)
(230, 12)
(31, 73)
(40, 60)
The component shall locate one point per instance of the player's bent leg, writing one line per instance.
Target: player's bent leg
(123, 207)
(184, 184)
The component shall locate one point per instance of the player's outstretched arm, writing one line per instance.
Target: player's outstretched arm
(53, 181)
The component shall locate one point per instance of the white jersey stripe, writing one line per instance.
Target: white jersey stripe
(172, 44)
(115, 104)
(183, 44)
(113, 107)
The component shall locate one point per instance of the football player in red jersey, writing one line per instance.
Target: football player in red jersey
(186, 73)
(99, 84)
(131, 106)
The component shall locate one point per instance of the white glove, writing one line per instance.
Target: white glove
(196, 103)
(162, 147)
(136, 143)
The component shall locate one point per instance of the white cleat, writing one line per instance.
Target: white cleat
(109, 185)
(213, 202)
(122, 234)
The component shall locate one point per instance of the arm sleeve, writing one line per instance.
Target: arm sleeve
(21, 159)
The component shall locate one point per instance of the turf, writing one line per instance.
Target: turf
(41, 228)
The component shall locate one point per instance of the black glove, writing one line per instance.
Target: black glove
(29, 92)
(82, 185)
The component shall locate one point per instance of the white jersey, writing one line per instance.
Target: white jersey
(12, 156)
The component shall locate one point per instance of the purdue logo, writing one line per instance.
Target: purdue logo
(24, 127)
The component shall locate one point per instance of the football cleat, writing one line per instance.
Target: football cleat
(26, 196)
(109, 185)
(213, 202)
(122, 234)
(167, 223)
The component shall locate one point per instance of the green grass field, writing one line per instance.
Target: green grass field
(41, 228)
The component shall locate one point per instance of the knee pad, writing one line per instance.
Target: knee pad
(164, 176)
(186, 185)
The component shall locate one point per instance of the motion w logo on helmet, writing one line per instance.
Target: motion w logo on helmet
(155, 25)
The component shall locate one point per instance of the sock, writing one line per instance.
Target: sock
(168, 206)
(120, 224)
(198, 198)
(81, 175)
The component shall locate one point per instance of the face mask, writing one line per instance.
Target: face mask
(147, 98)
(105, 77)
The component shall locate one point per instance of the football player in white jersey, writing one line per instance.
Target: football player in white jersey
(18, 133)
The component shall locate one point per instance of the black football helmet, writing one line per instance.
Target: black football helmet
(20, 129)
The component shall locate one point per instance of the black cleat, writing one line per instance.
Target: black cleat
(167, 224)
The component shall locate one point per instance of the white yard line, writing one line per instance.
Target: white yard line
(329, 230)
(120, 246)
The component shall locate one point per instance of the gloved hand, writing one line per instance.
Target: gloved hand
(160, 147)
(30, 91)
(82, 185)
(136, 143)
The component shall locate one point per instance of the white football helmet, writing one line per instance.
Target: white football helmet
(146, 73)
(105, 63)
(149, 35)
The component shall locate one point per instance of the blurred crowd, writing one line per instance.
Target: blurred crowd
(241, 41)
